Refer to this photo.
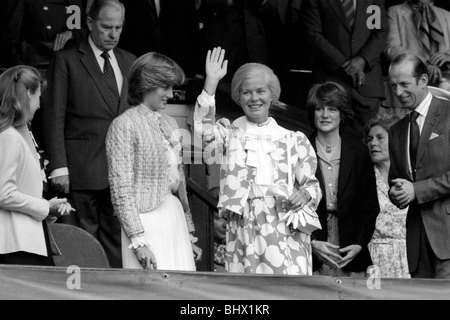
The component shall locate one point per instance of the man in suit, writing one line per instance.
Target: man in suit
(87, 90)
(244, 28)
(419, 175)
(37, 28)
(346, 51)
(170, 27)
(405, 36)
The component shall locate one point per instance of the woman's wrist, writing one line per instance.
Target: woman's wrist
(138, 243)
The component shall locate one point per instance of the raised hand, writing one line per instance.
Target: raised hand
(216, 69)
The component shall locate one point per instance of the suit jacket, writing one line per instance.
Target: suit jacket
(239, 29)
(402, 35)
(357, 201)
(333, 42)
(432, 183)
(78, 112)
(22, 208)
(33, 26)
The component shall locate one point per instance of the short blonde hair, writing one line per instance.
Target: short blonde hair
(250, 69)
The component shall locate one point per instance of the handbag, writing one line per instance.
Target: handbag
(306, 219)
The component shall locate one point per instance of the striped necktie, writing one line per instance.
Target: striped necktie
(429, 28)
(349, 11)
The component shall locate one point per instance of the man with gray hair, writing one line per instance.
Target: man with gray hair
(88, 87)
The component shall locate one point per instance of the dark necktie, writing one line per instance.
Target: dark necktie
(414, 136)
(110, 80)
(349, 11)
(428, 26)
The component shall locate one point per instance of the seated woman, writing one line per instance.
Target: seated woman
(148, 188)
(256, 158)
(388, 245)
(350, 206)
(24, 233)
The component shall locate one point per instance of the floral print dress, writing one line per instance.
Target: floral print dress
(255, 157)
(388, 245)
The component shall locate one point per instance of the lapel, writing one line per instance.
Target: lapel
(402, 145)
(90, 63)
(347, 161)
(407, 15)
(319, 176)
(431, 121)
(153, 13)
(123, 66)
(360, 14)
(336, 5)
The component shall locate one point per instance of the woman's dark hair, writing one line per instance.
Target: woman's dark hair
(14, 100)
(151, 71)
(329, 94)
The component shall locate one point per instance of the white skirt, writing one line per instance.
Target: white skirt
(167, 233)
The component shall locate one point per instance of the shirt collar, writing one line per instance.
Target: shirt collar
(268, 128)
(97, 51)
(423, 107)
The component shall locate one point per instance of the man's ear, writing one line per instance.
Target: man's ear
(89, 23)
(29, 94)
(424, 80)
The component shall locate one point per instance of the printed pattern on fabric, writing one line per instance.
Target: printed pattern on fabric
(388, 245)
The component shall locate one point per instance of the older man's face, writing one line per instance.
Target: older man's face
(106, 29)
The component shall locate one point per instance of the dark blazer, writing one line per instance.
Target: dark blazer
(239, 29)
(357, 201)
(333, 42)
(78, 112)
(432, 185)
(33, 26)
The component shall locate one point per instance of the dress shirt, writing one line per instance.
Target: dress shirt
(422, 109)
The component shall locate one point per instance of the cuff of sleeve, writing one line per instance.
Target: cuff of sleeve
(192, 238)
(59, 173)
(189, 221)
(205, 100)
(137, 242)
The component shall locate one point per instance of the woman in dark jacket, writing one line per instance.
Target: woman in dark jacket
(349, 207)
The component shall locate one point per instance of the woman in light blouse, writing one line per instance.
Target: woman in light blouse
(24, 233)
(148, 188)
(256, 148)
(388, 245)
(350, 206)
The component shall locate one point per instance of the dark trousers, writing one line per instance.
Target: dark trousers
(428, 265)
(364, 109)
(31, 259)
(94, 213)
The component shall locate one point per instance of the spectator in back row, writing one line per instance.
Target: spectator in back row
(419, 27)
(37, 28)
